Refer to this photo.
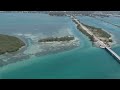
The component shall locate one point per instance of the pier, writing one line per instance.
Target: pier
(100, 43)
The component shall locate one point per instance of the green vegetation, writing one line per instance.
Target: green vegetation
(84, 32)
(9, 44)
(57, 13)
(101, 34)
(110, 40)
(98, 31)
(50, 39)
(74, 21)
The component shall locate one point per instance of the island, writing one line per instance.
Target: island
(10, 44)
(51, 39)
(95, 34)
(98, 32)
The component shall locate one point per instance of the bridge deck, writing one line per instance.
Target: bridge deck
(113, 53)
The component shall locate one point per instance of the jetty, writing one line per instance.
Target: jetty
(100, 43)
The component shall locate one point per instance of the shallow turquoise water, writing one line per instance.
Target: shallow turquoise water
(112, 19)
(77, 63)
(11, 23)
(82, 62)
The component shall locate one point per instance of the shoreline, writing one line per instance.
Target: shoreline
(114, 43)
(104, 39)
(13, 43)
(21, 49)
(93, 33)
(24, 53)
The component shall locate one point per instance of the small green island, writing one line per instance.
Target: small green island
(98, 32)
(10, 44)
(51, 39)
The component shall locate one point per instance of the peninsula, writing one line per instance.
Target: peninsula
(9, 44)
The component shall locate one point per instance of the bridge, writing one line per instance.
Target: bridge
(113, 53)
(101, 43)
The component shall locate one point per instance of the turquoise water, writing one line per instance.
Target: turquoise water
(85, 61)
(115, 20)
(11, 23)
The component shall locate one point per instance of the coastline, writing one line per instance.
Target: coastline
(114, 41)
(93, 33)
(10, 44)
(36, 49)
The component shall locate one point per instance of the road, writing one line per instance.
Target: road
(100, 43)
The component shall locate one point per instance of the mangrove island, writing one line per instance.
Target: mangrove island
(9, 44)
(93, 32)
(51, 39)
